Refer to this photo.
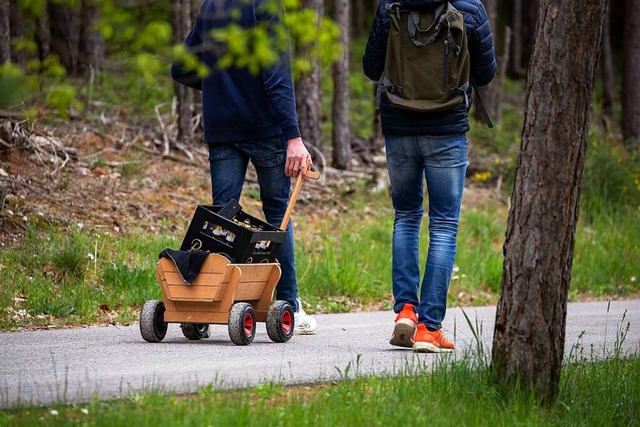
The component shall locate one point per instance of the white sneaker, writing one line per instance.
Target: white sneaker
(304, 324)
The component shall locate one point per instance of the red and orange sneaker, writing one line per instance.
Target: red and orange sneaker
(405, 327)
(426, 341)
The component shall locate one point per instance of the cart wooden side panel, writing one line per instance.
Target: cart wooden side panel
(217, 287)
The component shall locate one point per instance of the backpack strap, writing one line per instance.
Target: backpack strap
(413, 25)
(482, 107)
(385, 85)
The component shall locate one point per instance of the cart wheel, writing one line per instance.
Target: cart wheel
(280, 321)
(152, 325)
(242, 323)
(195, 331)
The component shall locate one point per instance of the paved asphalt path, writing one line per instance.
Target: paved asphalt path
(66, 365)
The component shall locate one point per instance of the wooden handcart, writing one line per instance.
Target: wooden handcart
(238, 295)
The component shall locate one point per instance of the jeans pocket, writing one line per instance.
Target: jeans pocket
(221, 152)
(394, 147)
(448, 151)
(269, 153)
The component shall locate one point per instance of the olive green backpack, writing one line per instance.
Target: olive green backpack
(427, 60)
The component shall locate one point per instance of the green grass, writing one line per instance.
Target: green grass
(77, 277)
(344, 263)
(453, 392)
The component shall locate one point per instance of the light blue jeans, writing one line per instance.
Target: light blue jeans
(442, 162)
(228, 169)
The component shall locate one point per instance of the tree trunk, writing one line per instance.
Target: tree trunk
(359, 16)
(181, 23)
(528, 342)
(43, 33)
(16, 25)
(516, 68)
(488, 92)
(308, 92)
(606, 65)
(340, 115)
(64, 23)
(529, 18)
(91, 45)
(630, 87)
(5, 32)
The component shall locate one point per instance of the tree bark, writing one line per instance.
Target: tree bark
(16, 25)
(181, 23)
(528, 343)
(91, 45)
(308, 91)
(64, 24)
(630, 87)
(340, 114)
(359, 16)
(608, 79)
(5, 32)
(43, 33)
(517, 70)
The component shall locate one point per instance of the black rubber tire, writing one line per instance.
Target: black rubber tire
(195, 331)
(152, 325)
(280, 321)
(242, 323)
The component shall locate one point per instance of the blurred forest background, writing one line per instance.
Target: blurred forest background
(96, 138)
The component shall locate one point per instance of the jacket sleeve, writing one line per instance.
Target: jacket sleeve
(480, 38)
(193, 42)
(278, 79)
(376, 50)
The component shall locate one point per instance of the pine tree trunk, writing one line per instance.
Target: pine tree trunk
(16, 25)
(359, 16)
(528, 343)
(608, 78)
(630, 87)
(516, 68)
(309, 92)
(43, 33)
(340, 115)
(5, 32)
(181, 23)
(91, 45)
(64, 24)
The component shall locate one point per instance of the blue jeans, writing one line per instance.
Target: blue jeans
(228, 169)
(442, 160)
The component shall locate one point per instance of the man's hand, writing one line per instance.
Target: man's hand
(297, 155)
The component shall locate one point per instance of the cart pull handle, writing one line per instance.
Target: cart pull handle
(296, 191)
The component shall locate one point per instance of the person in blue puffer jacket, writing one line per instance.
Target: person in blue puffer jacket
(250, 115)
(429, 146)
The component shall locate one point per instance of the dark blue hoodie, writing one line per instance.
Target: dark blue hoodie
(239, 105)
(397, 121)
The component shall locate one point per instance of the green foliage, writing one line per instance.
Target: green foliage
(262, 46)
(12, 88)
(153, 35)
(62, 98)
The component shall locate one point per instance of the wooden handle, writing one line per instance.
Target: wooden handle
(296, 192)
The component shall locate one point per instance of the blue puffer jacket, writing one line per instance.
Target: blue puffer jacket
(397, 121)
(239, 105)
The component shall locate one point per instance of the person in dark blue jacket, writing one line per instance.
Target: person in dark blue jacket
(429, 146)
(250, 116)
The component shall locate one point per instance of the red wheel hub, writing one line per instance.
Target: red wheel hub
(287, 321)
(248, 324)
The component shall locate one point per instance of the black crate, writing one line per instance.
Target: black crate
(242, 238)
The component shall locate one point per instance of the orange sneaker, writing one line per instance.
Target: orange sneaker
(426, 341)
(405, 327)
